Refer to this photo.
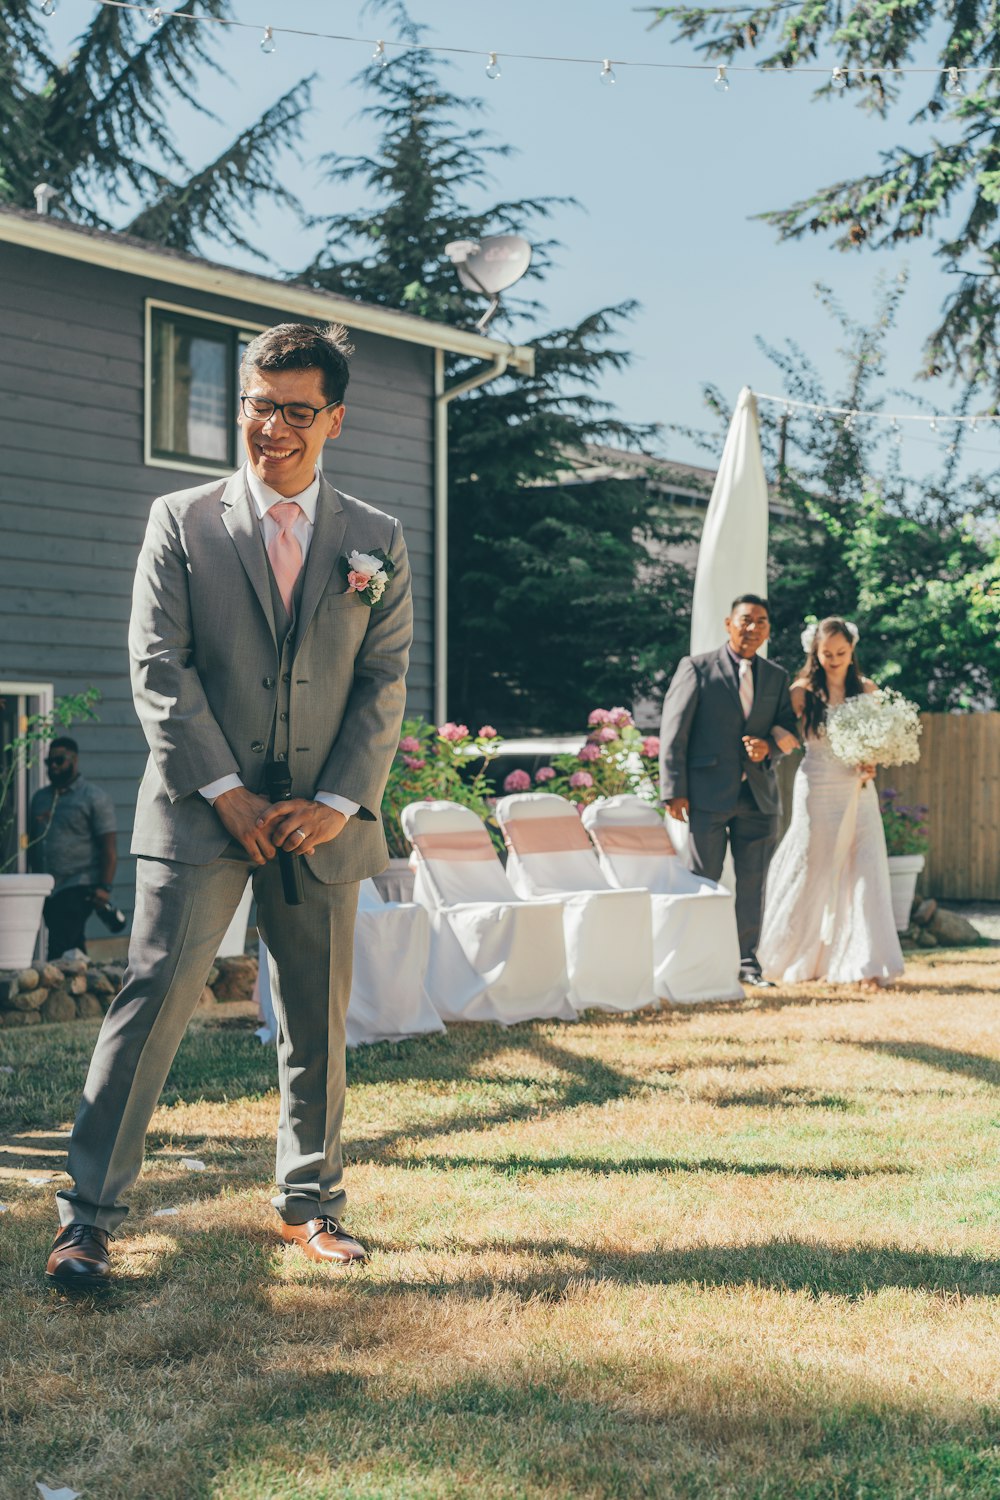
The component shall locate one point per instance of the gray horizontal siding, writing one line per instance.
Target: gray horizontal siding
(75, 493)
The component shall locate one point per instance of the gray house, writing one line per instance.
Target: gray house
(118, 383)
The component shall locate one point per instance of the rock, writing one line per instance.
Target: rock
(32, 1000)
(953, 931)
(51, 976)
(27, 979)
(88, 1007)
(213, 975)
(924, 910)
(207, 998)
(72, 965)
(8, 988)
(926, 939)
(60, 1006)
(73, 956)
(76, 983)
(237, 977)
(100, 984)
(19, 1017)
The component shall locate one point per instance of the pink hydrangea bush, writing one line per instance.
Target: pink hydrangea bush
(517, 781)
(439, 763)
(618, 759)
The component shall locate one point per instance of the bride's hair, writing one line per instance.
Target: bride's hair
(814, 674)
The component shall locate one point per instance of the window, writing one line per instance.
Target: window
(18, 701)
(193, 365)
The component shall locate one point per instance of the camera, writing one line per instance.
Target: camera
(113, 919)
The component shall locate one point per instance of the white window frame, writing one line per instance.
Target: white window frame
(32, 698)
(153, 304)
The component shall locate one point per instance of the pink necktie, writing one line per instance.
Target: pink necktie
(284, 550)
(746, 687)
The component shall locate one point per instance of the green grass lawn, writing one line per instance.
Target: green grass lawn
(746, 1252)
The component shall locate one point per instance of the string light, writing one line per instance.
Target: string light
(850, 416)
(838, 79)
(607, 72)
(156, 16)
(48, 7)
(378, 56)
(267, 42)
(721, 84)
(849, 421)
(954, 84)
(493, 67)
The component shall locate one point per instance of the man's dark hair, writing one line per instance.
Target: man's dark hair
(64, 742)
(751, 599)
(302, 346)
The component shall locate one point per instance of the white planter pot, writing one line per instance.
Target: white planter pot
(21, 900)
(903, 872)
(396, 881)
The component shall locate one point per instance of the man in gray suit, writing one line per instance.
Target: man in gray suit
(723, 717)
(271, 626)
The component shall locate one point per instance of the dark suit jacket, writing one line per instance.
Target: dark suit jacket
(701, 733)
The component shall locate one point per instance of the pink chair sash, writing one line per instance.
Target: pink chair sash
(633, 838)
(463, 844)
(547, 836)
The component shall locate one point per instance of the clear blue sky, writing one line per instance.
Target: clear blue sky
(667, 171)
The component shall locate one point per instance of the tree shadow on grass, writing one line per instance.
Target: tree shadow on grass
(516, 1165)
(970, 1064)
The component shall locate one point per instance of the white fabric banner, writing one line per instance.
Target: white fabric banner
(732, 556)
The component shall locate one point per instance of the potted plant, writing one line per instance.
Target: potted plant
(22, 896)
(907, 842)
(433, 763)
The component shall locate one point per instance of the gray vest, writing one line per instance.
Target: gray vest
(278, 747)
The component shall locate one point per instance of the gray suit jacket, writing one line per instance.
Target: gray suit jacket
(204, 658)
(701, 733)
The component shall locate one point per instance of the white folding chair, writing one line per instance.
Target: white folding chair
(609, 933)
(389, 998)
(493, 957)
(696, 953)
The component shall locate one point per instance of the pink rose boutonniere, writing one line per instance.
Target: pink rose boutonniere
(368, 574)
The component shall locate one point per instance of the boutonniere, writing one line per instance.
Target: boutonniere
(368, 574)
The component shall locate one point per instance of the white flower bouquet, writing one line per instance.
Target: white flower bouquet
(875, 729)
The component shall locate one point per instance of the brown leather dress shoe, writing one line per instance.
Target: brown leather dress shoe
(79, 1259)
(324, 1239)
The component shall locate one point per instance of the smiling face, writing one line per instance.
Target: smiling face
(834, 653)
(283, 456)
(748, 627)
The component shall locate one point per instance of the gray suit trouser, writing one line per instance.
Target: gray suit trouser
(181, 915)
(752, 836)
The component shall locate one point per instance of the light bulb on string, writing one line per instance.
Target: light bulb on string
(493, 67)
(896, 431)
(378, 56)
(155, 16)
(267, 42)
(607, 72)
(838, 78)
(48, 7)
(973, 425)
(954, 85)
(933, 424)
(952, 448)
(721, 84)
(849, 421)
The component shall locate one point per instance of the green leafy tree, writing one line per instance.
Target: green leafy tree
(98, 128)
(555, 598)
(916, 564)
(945, 186)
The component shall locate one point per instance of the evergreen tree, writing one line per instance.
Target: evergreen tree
(97, 128)
(555, 599)
(916, 564)
(946, 188)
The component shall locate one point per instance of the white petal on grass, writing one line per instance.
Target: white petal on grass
(62, 1493)
(4, 1208)
(40, 1181)
(5, 1069)
(192, 1163)
(165, 1213)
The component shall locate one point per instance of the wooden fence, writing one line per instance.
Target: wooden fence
(958, 779)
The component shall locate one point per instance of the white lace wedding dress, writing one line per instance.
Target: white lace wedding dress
(828, 908)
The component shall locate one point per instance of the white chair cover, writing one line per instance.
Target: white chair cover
(609, 933)
(389, 999)
(493, 957)
(696, 952)
(389, 996)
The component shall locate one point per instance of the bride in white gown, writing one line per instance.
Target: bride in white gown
(805, 888)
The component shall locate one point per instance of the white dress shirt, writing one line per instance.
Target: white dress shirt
(263, 498)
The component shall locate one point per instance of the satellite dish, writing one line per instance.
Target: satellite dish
(490, 266)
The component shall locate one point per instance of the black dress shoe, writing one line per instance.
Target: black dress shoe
(756, 980)
(79, 1258)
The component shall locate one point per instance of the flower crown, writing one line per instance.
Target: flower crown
(812, 630)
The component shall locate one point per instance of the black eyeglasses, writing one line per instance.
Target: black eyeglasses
(295, 413)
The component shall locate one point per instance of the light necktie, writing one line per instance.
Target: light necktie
(746, 687)
(284, 550)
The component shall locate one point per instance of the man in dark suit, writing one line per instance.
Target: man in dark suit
(725, 717)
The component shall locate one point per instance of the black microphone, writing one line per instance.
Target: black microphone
(278, 780)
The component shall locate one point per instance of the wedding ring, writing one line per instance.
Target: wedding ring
(300, 833)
